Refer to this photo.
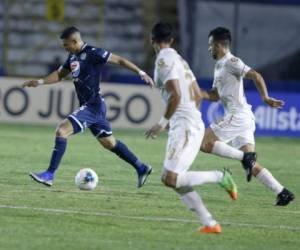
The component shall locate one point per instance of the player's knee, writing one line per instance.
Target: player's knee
(207, 146)
(169, 183)
(169, 179)
(107, 143)
(256, 169)
(61, 132)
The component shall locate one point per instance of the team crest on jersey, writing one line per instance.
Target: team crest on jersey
(234, 59)
(83, 56)
(75, 68)
(161, 63)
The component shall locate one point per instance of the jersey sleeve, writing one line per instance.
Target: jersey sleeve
(100, 55)
(166, 69)
(237, 67)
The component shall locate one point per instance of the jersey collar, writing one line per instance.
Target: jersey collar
(222, 59)
(81, 49)
(165, 50)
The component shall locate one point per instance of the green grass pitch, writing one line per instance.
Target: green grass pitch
(117, 215)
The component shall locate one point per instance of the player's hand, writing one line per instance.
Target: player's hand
(30, 83)
(274, 103)
(154, 131)
(146, 78)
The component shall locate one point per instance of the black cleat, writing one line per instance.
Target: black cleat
(248, 162)
(284, 197)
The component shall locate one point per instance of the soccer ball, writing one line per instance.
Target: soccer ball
(86, 179)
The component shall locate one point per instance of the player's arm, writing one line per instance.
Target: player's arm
(196, 94)
(118, 60)
(211, 95)
(262, 89)
(172, 87)
(52, 78)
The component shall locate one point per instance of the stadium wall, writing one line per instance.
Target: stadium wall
(132, 106)
(128, 106)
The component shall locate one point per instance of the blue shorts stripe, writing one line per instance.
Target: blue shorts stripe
(77, 122)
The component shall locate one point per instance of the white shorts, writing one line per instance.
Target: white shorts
(183, 146)
(237, 129)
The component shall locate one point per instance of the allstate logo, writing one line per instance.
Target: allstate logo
(75, 68)
(215, 112)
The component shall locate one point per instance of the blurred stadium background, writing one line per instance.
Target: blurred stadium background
(117, 215)
(266, 36)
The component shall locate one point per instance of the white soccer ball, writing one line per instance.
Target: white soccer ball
(86, 179)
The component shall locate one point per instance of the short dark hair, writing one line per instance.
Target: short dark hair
(221, 34)
(162, 32)
(67, 32)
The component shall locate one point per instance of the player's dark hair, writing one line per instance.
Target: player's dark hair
(67, 32)
(162, 32)
(221, 34)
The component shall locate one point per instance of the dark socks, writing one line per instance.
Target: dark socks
(57, 153)
(124, 153)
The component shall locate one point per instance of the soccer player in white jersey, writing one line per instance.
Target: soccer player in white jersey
(182, 95)
(238, 124)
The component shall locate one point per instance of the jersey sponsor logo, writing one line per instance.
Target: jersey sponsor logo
(75, 68)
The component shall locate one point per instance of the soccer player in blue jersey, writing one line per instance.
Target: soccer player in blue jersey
(85, 63)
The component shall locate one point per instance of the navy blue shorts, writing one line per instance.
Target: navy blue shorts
(94, 118)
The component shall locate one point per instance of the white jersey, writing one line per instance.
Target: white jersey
(228, 80)
(169, 65)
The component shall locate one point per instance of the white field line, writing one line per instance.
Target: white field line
(144, 218)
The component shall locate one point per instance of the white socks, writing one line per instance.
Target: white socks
(193, 202)
(195, 178)
(224, 150)
(266, 178)
(191, 198)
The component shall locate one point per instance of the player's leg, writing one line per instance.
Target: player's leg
(63, 130)
(212, 144)
(218, 134)
(101, 129)
(196, 178)
(193, 202)
(263, 175)
(120, 149)
(76, 122)
(182, 148)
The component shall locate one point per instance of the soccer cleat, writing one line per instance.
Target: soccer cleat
(228, 184)
(142, 176)
(45, 178)
(284, 197)
(216, 229)
(248, 162)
